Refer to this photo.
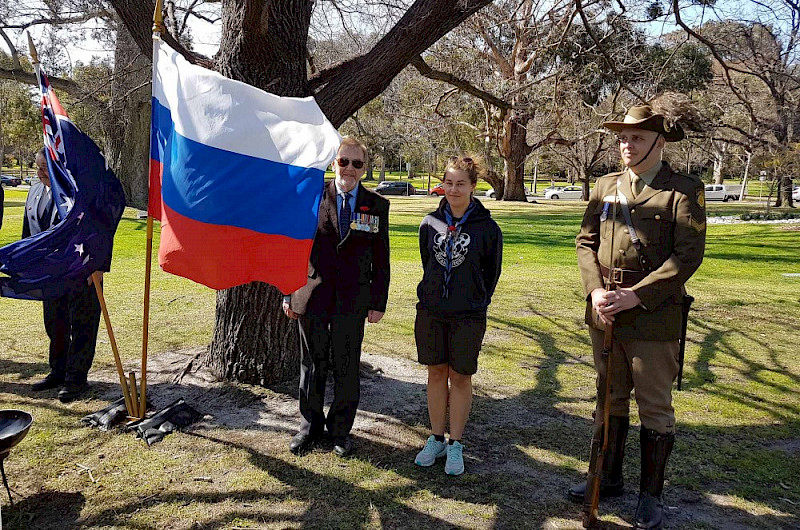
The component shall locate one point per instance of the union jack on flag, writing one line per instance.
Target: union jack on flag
(90, 202)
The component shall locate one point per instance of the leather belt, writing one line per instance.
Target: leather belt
(624, 278)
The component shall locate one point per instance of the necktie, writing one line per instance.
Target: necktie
(44, 202)
(344, 216)
(637, 184)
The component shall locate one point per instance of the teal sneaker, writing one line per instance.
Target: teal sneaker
(455, 459)
(432, 450)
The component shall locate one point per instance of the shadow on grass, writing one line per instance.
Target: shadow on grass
(44, 510)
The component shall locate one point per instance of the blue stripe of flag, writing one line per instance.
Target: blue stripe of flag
(220, 187)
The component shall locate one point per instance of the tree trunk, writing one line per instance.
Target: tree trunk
(368, 174)
(515, 151)
(127, 132)
(720, 150)
(253, 340)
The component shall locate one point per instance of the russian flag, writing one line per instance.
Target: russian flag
(236, 176)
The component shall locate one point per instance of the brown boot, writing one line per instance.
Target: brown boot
(656, 449)
(611, 484)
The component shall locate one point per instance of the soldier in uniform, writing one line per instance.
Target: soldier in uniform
(658, 238)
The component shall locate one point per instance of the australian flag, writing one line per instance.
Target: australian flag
(90, 202)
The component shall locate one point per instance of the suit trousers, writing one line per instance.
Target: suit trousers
(71, 322)
(330, 341)
(648, 367)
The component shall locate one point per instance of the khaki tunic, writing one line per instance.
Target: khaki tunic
(669, 219)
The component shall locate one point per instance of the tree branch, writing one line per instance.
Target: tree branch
(437, 75)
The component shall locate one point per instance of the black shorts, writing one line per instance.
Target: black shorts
(449, 340)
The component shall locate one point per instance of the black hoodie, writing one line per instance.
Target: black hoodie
(477, 259)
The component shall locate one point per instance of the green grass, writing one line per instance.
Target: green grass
(736, 457)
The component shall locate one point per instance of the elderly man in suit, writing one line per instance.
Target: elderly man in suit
(348, 283)
(72, 320)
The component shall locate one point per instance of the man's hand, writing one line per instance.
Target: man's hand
(373, 317)
(289, 313)
(608, 303)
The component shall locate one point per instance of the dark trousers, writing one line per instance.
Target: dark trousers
(330, 342)
(71, 322)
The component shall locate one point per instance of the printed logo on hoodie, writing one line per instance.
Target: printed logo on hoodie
(460, 248)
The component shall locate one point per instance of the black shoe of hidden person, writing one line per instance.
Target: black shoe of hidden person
(71, 391)
(302, 442)
(343, 447)
(51, 381)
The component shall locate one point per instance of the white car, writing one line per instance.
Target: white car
(796, 194)
(566, 192)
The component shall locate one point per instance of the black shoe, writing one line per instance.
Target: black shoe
(302, 442)
(343, 446)
(51, 381)
(72, 391)
(649, 512)
(578, 491)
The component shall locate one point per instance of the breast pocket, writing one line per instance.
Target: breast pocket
(656, 228)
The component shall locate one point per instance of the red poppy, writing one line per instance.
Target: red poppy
(364, 208)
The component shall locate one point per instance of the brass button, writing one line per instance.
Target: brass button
(658, 217)
(625, 230)
(622, 251)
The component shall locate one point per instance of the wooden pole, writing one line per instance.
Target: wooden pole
(134, 396)
(122, 381)
(158, 27)
(146, 317)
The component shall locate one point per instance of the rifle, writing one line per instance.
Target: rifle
(686, 306)
(591, 498)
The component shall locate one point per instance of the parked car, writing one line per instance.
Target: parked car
(564, 192)
(8, 180)
(723, 192)
(438, 190)
(395, 188)
(492, 195)
(796, 194)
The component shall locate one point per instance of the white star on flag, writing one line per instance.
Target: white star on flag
(68, 203)
(79, 249)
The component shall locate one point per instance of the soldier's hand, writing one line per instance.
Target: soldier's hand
(599, 303)
(612, 302)
(289, 313)
(373, 317)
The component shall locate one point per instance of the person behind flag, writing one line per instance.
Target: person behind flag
(71, 320)
(348, 282)
(462, 253)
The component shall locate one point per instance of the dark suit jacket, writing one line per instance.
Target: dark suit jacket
(354, 272)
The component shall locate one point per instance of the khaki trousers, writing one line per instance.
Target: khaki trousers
(649, 367)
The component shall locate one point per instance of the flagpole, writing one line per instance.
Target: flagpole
(158, 27)
(96, 279)
(96, 275)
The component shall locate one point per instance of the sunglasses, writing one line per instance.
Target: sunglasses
(466, 159)
(344, 162)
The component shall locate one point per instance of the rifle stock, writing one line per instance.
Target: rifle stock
(599, 449)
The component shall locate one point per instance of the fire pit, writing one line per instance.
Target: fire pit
(14, 425)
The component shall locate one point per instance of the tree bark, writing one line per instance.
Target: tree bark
(515, 151)
(127, 127)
